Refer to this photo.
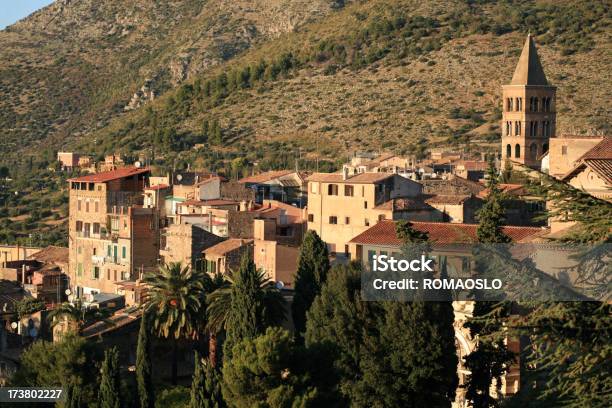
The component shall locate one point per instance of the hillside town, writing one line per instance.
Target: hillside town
(125, 221)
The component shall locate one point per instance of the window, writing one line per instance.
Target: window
(123, 252)
(517, 128)
(108, 274)
(365, 204)
(508, 128)
(96, 227)
(94, 251)
(96, 206)
(509, 104)
(533, 151)
(346, 250)
(348, 191)
(90, 186)
(519, 104)
(371, 258)
(517, 151)
(87, 206)
(332, 189)
(347, 220)
(96, 272)
(333, 220)
(367, 222)
(310, 217)
(78, 205)
(564, 150)
(381, 217)
(508, 150)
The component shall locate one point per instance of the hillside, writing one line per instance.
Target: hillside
(70, 67)
(325, 75)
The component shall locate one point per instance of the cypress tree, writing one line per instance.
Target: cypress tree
(313, 265)
(110, 382)
(205, 387)
(490, 360)
(143, 366)
(246, 315)
(73, 396)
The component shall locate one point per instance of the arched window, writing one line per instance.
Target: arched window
(508, 150)
(509, 104)
(517, 151)
(533, 151)
(519, 102)
(534, 130)
(508, 129)
(517, 128)
(535, 104)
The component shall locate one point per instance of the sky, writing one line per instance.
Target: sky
(13, 10)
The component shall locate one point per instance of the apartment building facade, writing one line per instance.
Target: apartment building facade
(112, 236)
(341, 206)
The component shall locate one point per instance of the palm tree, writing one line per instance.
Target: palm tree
(78, 314)
(219, 305)
(175, 296)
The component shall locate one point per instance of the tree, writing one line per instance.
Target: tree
(491, 215)
(77, 313)
(312, 269)
(340, 320)
(176, 299)
(110, 382)
(143, 366)
(491, 358)
(28, 305)
(246, 307)
(71, 364)
(270, 371)
(206, 386)
(73, 397)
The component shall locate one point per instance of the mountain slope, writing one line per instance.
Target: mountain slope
(70, 67)
(324, 75)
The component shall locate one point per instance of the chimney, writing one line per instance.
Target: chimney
(345, 172)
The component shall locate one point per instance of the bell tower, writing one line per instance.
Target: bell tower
(529, 114)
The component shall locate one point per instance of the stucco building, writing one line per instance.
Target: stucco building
(528, 111)
(112, 237)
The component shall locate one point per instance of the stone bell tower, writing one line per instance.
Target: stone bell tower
(529, 114)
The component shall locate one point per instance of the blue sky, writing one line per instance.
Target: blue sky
(13, 10)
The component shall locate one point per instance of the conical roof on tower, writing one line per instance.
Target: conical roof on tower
(529, 69)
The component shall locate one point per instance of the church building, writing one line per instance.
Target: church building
(529, 111)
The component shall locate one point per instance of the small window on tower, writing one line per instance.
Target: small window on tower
(564, 150)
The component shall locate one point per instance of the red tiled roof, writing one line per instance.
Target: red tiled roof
(267, 176)
(226, 246)
(51, 254)
(383, 233)
(599, 159)
(106, 176)
(362, 178)
(601, 151)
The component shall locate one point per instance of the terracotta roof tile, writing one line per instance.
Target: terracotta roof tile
(226, 246)
(106, 176)
(51, 254)
(383, 233)
(267, 176)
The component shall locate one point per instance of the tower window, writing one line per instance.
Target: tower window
(519, 104)
(564, 150)
(517, 128)
(508, 150)
(517, 151)
(533, 151)
(508, 128)
(509, 104)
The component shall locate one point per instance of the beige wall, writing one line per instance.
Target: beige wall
(10, 253)
(590, 182)
(279, 262)
(565, 151)
(359, 209)
(525, 116)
